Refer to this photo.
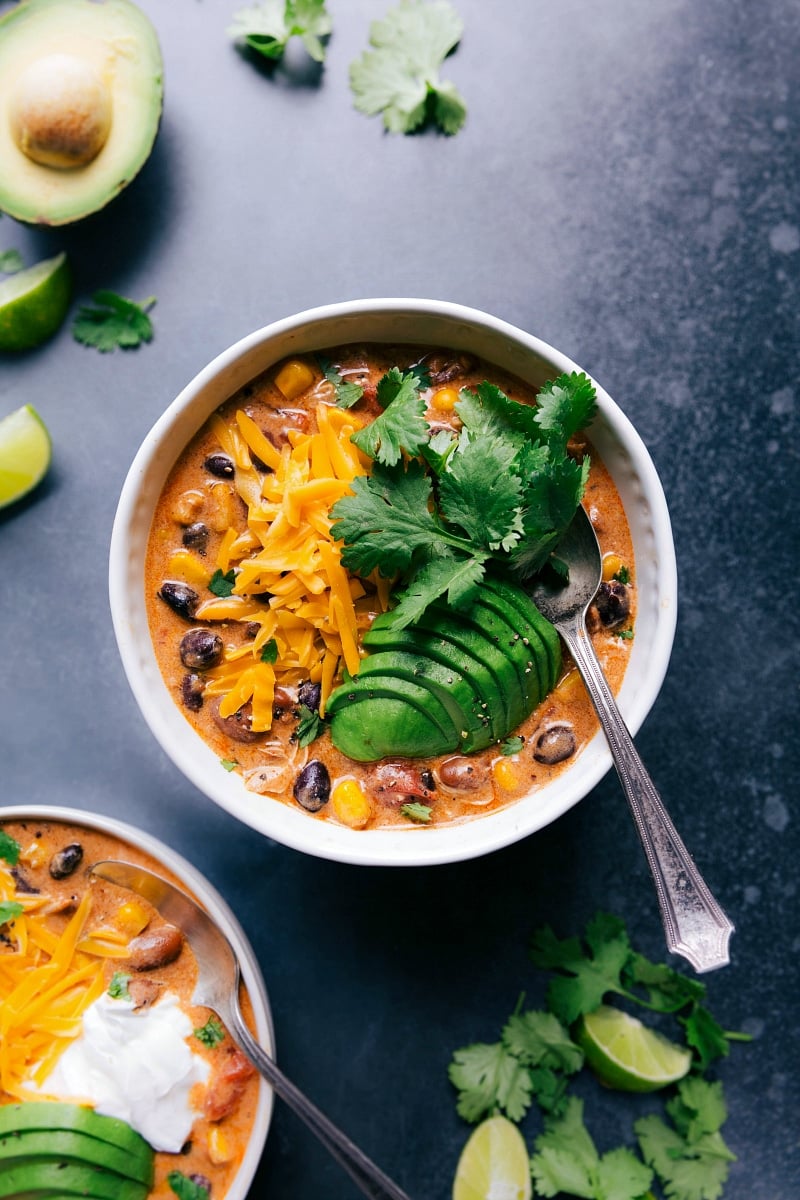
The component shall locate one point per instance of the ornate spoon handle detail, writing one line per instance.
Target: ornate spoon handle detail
(695, 925)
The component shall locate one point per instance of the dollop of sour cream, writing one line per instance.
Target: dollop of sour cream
(135, 1065)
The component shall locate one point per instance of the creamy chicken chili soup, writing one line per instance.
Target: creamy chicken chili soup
(105, 1063)
(335, 583)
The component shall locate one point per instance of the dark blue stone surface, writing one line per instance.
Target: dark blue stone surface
(626, 188)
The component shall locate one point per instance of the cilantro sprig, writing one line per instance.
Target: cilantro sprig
(399, 76)
(268, 27)
(113, 321)
(438, 510)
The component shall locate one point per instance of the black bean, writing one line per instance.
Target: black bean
(180, 597)
(192, 692)
(312, 788)
(200, 649)
(220, 465)
(67, 860)
(195, 537)
(554, 744)
(22, 883)
(613, 603)
(309, 694)
(428, 780)
(239, 725)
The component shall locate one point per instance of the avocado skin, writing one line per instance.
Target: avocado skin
(59, 1115)
(485, 668)
(57, 1177)
(72, 1146)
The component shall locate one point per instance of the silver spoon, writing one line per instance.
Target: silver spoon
(694, 924)
(218, 989)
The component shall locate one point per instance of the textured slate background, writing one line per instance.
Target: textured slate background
(626, 187)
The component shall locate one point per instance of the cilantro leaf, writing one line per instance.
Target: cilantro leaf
(567, 1160)
(539, 1039)
(421, 813)
(9, 848)
(483, 468)
(582, 978)
(401, 426)
(9, 909)
(347, 394)
(563, 406)
(456, 576)
(489, 1078)
(186, 1188)
(222, 584)
(269, 651)
(690, 1157)
(704, 1035)
(118, 987)
(211, 1034)
(488, 412)
(10, 262)
(309, 726)
(228, 764)
(399, 77)
(267, 27)
(511, 745)
(113, 322)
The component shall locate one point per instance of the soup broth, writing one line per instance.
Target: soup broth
(255, 621)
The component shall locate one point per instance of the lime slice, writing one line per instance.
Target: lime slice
(33, 303)
(494, 1164)
(25, 453)
(625, 1054)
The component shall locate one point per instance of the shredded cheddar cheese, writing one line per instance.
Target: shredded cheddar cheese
(289, 579)
(47, 981)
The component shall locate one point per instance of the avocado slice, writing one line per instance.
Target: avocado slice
(522, 603)
(467, 708)
(81, 95)
(521, 653)
(59, 1115)
(63, 1179)
(375, 716)
(68, 1145)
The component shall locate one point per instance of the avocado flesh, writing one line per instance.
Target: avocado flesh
(522, 603)
(468, 710)
(60, 1115)
(524, 651)
(69, 1145)
(115, 46)
(62, 1178)
(372, 726)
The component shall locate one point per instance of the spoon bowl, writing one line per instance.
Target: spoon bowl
(217, 989)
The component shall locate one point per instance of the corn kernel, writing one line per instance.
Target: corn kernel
(219, 1146)
(188, 567)
(351, 804)
(220, 514)
(445, 399)
(506, 774)
(187, 507)
(612, 564)
(34, 855)
(294, 378)
(570, 687)
(131, 917)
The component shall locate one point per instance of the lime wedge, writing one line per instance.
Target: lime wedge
(25, 453)
(33, 303)
(494, 1164)
(626, 1055)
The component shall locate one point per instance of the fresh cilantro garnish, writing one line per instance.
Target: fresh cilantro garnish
(9, 909)
(118, 987)
(309, 726)
(623, 575)
(512, 745)
(567, 1160)
(113, 322)
(228, 764)
(9, 848)
(186, 1188)
(268, 26)
(10, 262)
(347, 394)
(222, 585)
(269, 651)
(625, 634)
(401, 426)
(421, 813)
(500, 492)
(210, 1034)
(399, 76)
(690, 1157)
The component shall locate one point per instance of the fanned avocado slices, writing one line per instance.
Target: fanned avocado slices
(485, 668)
(67, 1145)
(56, 1177)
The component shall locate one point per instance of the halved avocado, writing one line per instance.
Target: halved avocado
(81, 94)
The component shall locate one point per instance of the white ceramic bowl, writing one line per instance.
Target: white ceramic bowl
(213, 902)
(426, 322)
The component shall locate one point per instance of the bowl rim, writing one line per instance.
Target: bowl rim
(205, 891)
(303, 331)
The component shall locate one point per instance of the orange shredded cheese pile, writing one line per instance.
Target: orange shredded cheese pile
(287, 553)
(47, 981)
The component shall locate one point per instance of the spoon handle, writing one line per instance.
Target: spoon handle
(694, 924)
(364, 1173)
